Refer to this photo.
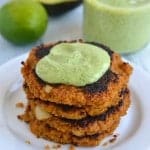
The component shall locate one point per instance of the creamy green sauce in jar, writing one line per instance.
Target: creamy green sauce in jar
(123, 25)
(125, 3)
(75, 64)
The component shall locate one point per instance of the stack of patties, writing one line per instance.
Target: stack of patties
(81, 106)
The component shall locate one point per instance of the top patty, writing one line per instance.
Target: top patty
(98, 93)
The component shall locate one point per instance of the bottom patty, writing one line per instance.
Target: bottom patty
(42, 130)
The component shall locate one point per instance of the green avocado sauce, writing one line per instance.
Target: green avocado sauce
(75, 64)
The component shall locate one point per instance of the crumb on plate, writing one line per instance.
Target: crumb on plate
(19, 105)
(71, 147)
(112, 140)
(47, 147)
(56, 146)
(28, 142)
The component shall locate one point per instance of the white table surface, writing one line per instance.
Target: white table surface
(68, 26)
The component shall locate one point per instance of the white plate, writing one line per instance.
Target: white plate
(134, 129)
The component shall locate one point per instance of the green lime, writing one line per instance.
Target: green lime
(23, 21)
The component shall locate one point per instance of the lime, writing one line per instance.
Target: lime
(22, 21)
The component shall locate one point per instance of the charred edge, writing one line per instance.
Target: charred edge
(102, 84)
(68, 108)
(25, 85)
(99, 86)
(90, 119)
(40, 81)
(123, 92)
(44, 82)
(43, 50)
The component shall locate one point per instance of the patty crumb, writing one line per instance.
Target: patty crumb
(105, 144)
(28, 142)
(112, 140)
(22, 62)
(56, 146)
(72, 147)
(47, 147)
(19, 105)
(116, 135)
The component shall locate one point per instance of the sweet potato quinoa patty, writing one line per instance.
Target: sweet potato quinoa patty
(100, 93)
(81, 116)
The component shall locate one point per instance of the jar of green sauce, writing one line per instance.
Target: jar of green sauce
(123, 25)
